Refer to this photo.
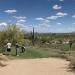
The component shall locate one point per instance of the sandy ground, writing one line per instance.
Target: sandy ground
(49, 66)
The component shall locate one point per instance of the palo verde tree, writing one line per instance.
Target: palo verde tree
(11, 33)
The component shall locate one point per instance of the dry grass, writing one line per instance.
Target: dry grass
(72, 63)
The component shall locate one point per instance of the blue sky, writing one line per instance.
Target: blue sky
(43, 15)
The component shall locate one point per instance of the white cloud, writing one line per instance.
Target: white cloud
(61, 0)
(57, 7)
(73, 16)
(30, 25)
(46, 21)
(74, 23)
(59, 23)
(58, 15)
(19, 24)
(20, 17)
(40, 19)
(10, 11)
(24, 27)
(3, 24)
(43, 25)
(52, 17)
(21, 20)
(43, 20)
(61, 14)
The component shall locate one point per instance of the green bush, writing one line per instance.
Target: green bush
(11, 34)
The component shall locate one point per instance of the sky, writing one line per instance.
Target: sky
(45, 16)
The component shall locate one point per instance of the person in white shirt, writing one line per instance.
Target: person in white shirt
(8, 47)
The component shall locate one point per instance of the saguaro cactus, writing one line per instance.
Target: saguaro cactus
(33, 36)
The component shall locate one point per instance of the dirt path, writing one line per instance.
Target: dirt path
(50, 66)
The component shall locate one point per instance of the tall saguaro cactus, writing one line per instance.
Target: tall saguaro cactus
(33, 37)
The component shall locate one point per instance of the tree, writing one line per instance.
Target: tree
(11, 33)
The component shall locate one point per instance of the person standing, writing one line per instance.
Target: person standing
(23, 49)
(70, 44)
(17, 49)
(8, 47)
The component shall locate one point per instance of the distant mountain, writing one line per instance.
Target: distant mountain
(73, 32)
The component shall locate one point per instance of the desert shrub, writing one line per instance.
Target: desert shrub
(72, 63)
(11, 34)
(70, 56)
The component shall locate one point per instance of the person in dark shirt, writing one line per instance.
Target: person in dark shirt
(17, 49)
(70, 43)
(23, 49)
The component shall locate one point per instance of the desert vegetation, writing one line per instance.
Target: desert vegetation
(39, 45)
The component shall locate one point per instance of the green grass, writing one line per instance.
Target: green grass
(34, 52)
(43, 52)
